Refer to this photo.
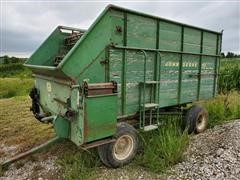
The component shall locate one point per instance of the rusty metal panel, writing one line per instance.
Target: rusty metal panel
(99, 88)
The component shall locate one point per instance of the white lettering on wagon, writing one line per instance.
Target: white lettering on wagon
(184, 64)
(49, 86)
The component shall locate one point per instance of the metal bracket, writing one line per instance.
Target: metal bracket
(119, 29)
(104, 62)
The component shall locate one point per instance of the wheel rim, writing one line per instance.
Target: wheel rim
(201, 123)
(123, 147)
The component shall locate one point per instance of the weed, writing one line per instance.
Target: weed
(223, 108)
(163, 147)
(79, 164)
(1, 171)
(19, 165)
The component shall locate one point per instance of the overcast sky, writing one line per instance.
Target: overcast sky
(26, 24)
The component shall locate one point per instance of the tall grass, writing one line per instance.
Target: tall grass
(14, 70)
(79, 164)
(164, 147)
(10, 87)
(223, 108)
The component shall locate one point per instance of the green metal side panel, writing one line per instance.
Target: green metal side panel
(84, 53)
(169, 36)
(134, 75)
(192, 40)
(96, 70)
(100, 117)
(62, 127)
(115, 69)
(189, 79)
(54, 99)
(179, 76)
(77, 129)
(53, 95)
(48, 50)
(207, 80)
(209, 43)
(141, 31)
(117, 21)
(169, 79)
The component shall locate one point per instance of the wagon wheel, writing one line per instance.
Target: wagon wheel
(123, 150)
(196, 120)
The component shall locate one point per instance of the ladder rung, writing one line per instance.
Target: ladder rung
(150, 127)
(150, 105)
(151, 82)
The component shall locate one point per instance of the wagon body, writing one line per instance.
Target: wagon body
(126, 64)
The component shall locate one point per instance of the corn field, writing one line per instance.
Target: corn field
(229, 78)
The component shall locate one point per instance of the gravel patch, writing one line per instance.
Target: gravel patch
(129, 172)
(214, 154)
(8, 151)
(33, 169)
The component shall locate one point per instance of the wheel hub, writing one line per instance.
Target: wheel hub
(123, 147)
(201, 123)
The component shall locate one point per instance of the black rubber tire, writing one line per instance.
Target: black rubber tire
(102, 152)
(192, 119)
(106, 152)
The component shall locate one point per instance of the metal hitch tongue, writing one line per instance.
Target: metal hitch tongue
(18, 157)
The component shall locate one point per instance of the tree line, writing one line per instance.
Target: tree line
(229, 55)
(8, 60)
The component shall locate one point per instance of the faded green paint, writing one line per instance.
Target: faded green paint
(49, 49)
(100, 119)
(61, 127)
(53, 95)
(112, 50)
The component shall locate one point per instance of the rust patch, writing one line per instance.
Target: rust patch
(100, 88)
(85, 125)
(97, 143)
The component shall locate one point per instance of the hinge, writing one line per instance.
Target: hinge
(106, 61)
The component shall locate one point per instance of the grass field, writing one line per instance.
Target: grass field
(19, 127)
(15, 70)
(10, 87)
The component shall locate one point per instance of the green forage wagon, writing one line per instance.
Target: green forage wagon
(100, 86)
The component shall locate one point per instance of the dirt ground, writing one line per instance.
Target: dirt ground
(214, 154)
